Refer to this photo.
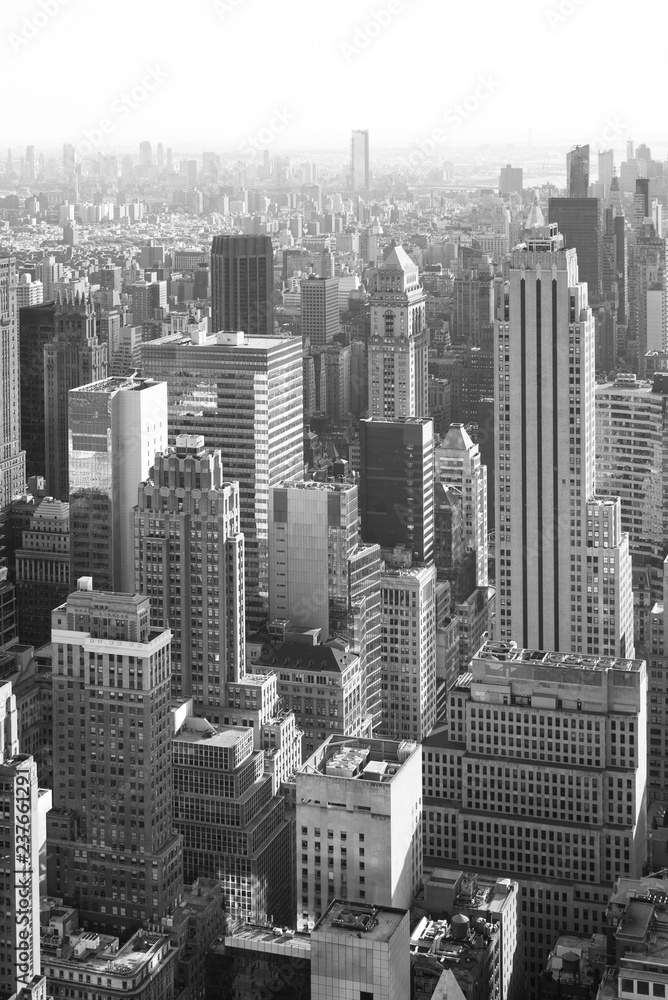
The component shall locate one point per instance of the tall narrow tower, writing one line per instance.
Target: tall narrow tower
(188, 517)
(458, 464)
(359, 160)
(557, 541)
(398, 348)
(242, 284)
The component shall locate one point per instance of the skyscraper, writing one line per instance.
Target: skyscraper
(398, 346)
(242, 285)
(556, 539)
(188, 517)
(111, 841)
(458, 464)
(606, 169)
(572, 816)
(12, 459)
(397, 484)
(322, 576)
(579, 221)
(145, 154)
(510, 180)
(359, 160)
(577, 172)
(116, 428)
(320, 310)
(244, 394)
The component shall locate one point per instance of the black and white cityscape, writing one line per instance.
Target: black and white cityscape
(333, 502)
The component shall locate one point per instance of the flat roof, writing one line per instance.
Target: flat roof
(345, 918)
(250, 934)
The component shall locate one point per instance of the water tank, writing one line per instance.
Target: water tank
(570, 962)
(460, 926)
(479, 925)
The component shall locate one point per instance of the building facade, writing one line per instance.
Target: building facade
(242, 285)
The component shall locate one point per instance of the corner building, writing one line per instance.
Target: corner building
(551, 754)
(111, 846)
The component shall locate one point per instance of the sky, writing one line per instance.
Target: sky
(298, 75)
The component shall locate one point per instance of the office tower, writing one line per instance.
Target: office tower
(408, 648)
(457, 463)
(606, 169)
(332, 583)
(110, 834)
(577, 172)
(145, 154)
(244, 394)
(579, 221)
(657, 665)
(320, 310)
(116, 428)
(42, 570)
(189, 560)
(30, 163)
(50, 272)
(12, 459)
(28, 292)
(631, 455)
(359, 160)
(19, 861)
(234, 829)
(374, 943)
(359, 805)
(397, 484)
(147, 297)
(510, 180)
(126, 356)
(474, 301)
(242, 284)
(332, 381)
(555, 536)
(572, 817)
(398, 347)
(641, 208)
(72, 358)
(647, 283)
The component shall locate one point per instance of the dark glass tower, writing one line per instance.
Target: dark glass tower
(579, 222)
(397, 484)
(242, 284)
(577, 170)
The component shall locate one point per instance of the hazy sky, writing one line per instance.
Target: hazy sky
(300, 74)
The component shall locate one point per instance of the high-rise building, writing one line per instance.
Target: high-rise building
(30, 163)
(474, 301)
(458, 464)
(657, 664)
(111, 841)
(510, 180)
(606, 169)
(145, 154)
(42, 570)
(320, 310)
(648, 327)
(12, 459)
(579, 221)
(242, 285)
(577, 172)
(398, 345)
(572, 817)
(189, 560)
(332, 381)
(19, 860)
(116, 428)
(28, 292)
(557, 541)
(359, 805)
(234, 829)
(397, 484)
(360, 179)
(322, 576)
(631, 455)
(244, 394)
(59, 351)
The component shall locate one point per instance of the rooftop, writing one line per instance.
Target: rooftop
(374, 760)
(511, 652)
(116, 383)
(252, 936)
(99, 953)
(344, 918)
(575, 955)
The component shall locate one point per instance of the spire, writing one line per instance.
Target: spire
(535, 218)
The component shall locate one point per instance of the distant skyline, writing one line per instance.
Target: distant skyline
(223, 74)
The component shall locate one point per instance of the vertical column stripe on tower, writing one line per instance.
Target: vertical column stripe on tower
(539, 461)
(523, 406)
(555, 466)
